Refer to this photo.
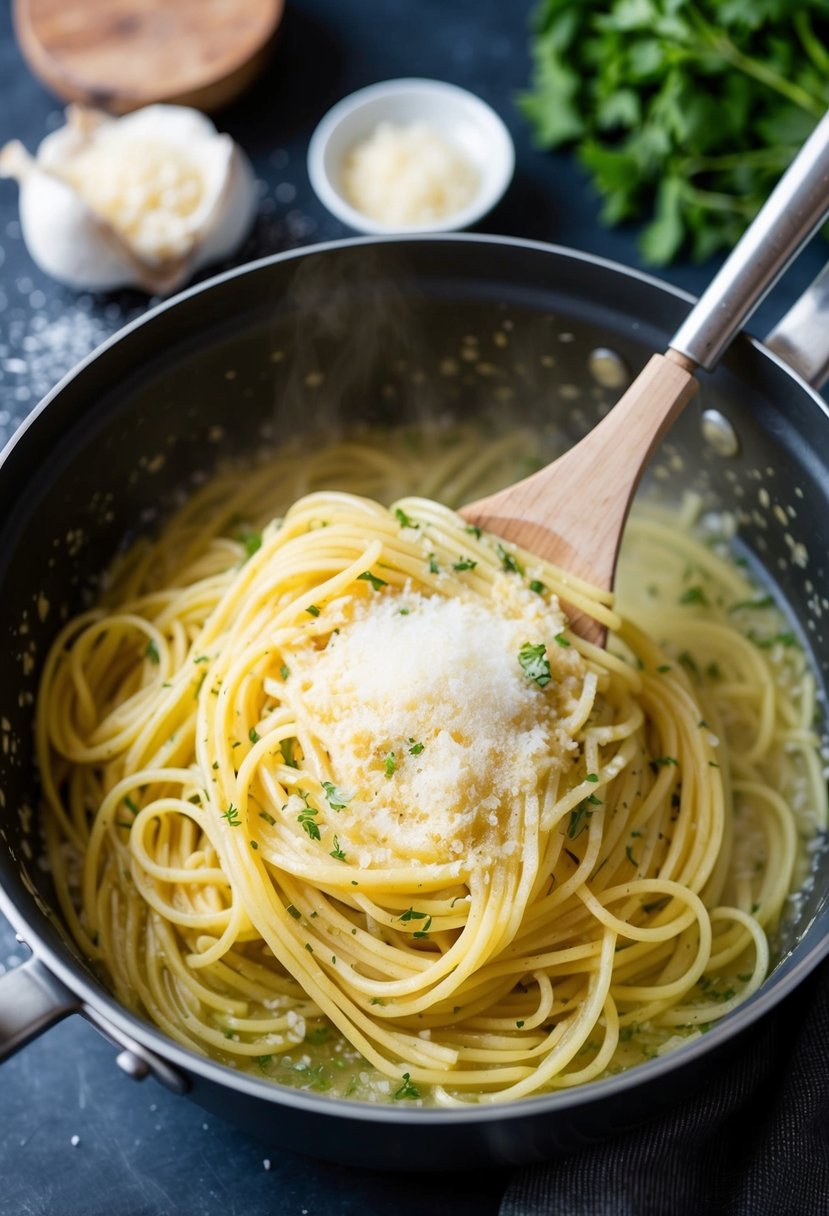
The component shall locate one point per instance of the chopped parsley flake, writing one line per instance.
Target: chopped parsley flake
(232, 816)
(415, 748)
(294, 912)
(785, 639)
(474, 530)
(508, 560)
(434, 568)
(403, 519)
(662, 762)
(580, 814)
(251, 540)
(688, 662)
(390, 764)
(130, 805)
(407, 1090)
(152, 652)
(284, 671)
(268, 817)
(534, 663)
(561, 640)
(306, 819)
(376, 582)
(253, 735)
(202, 658)
(764, 601)
(629, 855)
(337, 852)
(312, 610)
(411, 914)
(335, 798)
(694, 595)
(592, 777)
(464, 563)
(254, 845)
(539, 588)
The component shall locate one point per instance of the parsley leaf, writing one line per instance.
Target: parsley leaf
(403, 519)
(152, 652)
(684, 112)
(407, 1090)
(232, 816)
(508, 560)
(335, 798)
(337, 852)
(376, 582)
(251, 540)
(306, 820)
(534, 663)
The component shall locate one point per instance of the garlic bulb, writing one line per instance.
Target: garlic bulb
(144, 200)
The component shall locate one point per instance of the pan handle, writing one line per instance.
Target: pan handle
(31, 1000)
(801, 337)
(794, 210)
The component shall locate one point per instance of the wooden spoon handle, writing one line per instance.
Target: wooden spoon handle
(592, 484)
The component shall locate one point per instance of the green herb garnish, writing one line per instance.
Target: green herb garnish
(251, 540)
(390, 764)
(407, 1090)
(534, 663)
(508, 560)
(152, 652)
(312, 610)
(694, 595)
(662, 762)
(306, 820)
(376, 582)
(232, 816)
(334, 797)
(464, 563)
(684, 112)
(403, 519)
(337, 852)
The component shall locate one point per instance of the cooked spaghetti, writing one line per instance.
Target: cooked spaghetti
(349, 804)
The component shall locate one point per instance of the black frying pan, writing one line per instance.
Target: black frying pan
(83, 474)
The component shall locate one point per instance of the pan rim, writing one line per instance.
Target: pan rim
(93, 996)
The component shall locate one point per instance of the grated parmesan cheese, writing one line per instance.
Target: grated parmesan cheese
(408, 175)
(442, 678)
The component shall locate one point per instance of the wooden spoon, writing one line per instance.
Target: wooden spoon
(573, 512)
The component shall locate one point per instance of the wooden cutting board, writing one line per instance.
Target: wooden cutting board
(122, 54)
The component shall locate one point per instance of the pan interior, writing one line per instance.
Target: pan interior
(311, 348)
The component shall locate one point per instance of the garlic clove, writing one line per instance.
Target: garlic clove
(144, 200)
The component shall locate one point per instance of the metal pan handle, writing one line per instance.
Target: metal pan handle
(794, 210)
(31, 1000)
(801, 337)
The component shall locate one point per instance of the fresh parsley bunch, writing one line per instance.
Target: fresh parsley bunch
(686, 111)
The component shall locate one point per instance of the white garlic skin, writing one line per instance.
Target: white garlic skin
(78, 231)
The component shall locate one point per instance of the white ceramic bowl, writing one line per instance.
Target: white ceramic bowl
(460, 117)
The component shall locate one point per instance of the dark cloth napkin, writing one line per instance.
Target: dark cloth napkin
(753, 1142)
